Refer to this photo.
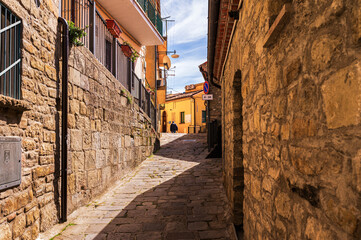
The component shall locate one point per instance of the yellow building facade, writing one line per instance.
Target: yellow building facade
(155, 71)
(186, 109)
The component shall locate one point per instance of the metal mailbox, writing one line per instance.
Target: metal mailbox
(10, 162)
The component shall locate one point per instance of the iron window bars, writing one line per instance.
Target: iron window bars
(10, 53)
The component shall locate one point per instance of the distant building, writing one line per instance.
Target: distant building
(214, 119)
(186, 109)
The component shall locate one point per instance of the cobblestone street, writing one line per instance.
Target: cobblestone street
(175, 194)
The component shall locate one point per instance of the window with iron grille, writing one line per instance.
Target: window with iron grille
(10, 53)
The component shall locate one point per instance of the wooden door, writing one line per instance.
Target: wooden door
(164, 122)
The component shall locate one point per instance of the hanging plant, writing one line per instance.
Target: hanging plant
(129, 51)
(113, 28)
(75, 34)
(134, 56)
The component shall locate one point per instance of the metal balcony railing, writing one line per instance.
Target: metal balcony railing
(107, 50)
(153, 14)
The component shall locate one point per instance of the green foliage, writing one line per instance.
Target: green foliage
(126, 94)
(75, 34)
(70, 224)
(135, 54)
(130, 99)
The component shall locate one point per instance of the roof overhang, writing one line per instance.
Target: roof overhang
(131, 17)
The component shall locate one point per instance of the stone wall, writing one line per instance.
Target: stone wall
(30, 207)
(216, 104)
(108, 135)
(292, 140)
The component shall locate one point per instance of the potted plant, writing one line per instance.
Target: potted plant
(76, 34)
(129, 51)
(113, 28)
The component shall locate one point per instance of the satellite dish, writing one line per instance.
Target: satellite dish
(167, 63)
(175, 56)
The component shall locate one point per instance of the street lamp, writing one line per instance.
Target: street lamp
(174, 55)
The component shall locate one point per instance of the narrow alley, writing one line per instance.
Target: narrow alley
(175, 194)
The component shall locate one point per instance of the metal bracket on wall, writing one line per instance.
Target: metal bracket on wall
(276, 28)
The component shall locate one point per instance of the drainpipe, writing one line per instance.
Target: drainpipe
(156, 86)
(64, 119)
(213, 15)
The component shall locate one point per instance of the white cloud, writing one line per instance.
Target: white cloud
(190, 19)
(188, 36)
(188, 68)
(187, 72)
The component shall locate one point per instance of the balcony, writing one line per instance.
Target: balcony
(140, 18)
(108, 51)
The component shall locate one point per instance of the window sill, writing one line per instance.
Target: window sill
(10, 103)
(276, 28)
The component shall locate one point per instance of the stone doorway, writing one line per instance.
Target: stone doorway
(237, 142)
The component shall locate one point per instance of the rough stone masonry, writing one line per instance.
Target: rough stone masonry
(108, 135)
(292, 137)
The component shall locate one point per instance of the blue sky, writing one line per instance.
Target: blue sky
(188, 36)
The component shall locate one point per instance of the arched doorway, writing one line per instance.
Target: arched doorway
(164, 122)
(233, 147)
(237, 142)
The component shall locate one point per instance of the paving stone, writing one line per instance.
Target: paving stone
(180, 236)
(94, 228)
(212, 234)
(118, 236)
(153, 226)
(175, 194)
(149, 236)
(128, 228)
(196, 226)
(174, 226)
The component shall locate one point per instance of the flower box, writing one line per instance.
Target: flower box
(127, 50)
(113, 28)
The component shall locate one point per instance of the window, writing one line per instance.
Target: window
(108, 55)
(10, 53)
(182, 117)
(204, 116)
(131, 65)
